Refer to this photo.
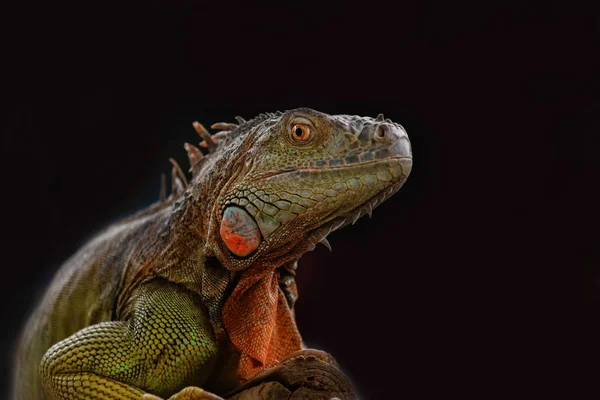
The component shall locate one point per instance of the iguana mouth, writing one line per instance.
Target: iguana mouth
(343, 167)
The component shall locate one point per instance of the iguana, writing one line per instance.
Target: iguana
(198, 289)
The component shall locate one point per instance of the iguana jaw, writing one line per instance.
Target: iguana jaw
(300, 234)
(346, 216)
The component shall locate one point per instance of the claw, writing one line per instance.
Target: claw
(380, 117)
(326, 243)
(240, 120)
(311, 246)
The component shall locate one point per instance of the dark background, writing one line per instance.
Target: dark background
(459, 285)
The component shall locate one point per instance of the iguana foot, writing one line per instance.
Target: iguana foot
(189, 393)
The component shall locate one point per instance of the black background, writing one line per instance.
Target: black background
(459, 285)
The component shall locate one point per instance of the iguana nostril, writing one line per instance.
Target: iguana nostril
(385, 133)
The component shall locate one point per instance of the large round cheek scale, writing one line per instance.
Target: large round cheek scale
(239, 231)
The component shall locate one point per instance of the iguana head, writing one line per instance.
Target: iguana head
(280, 183)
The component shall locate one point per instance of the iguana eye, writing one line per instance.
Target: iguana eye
(301, 132)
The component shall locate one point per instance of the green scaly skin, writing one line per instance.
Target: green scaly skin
(137, 309)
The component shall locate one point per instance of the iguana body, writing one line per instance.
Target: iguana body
(198, 289)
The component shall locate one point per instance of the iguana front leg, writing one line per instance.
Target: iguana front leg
(165, 345)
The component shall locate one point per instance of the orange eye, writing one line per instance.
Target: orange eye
(301, 132)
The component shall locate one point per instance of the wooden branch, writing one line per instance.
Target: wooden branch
(305, 375)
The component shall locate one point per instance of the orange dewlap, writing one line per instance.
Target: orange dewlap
(239, 231)
(259, 321)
